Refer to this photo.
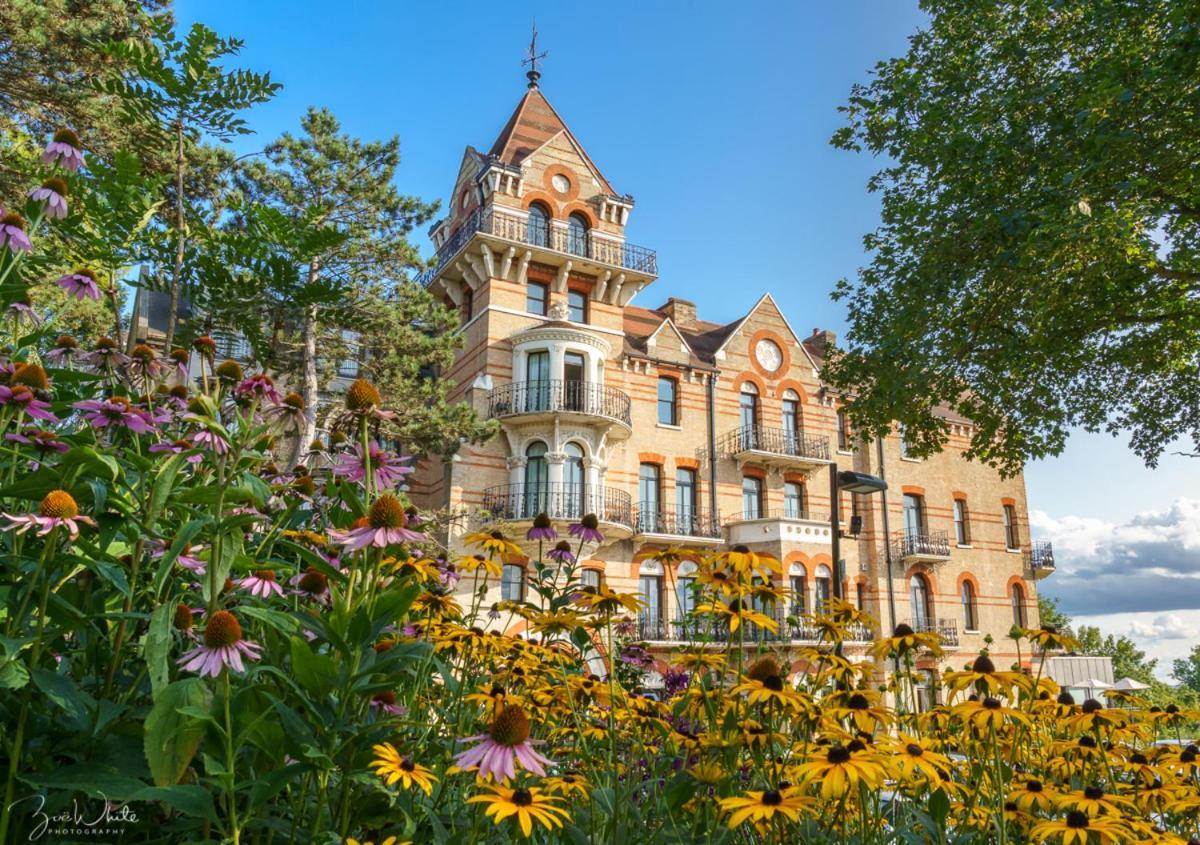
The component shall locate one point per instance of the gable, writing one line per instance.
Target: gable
(766, 311)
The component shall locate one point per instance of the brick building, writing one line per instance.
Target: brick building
(679, 431)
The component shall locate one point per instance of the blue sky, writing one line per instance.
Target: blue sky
(716, 117)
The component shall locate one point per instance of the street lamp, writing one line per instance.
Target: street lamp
(850, 482)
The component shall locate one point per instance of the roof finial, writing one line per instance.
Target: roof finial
(533, 56)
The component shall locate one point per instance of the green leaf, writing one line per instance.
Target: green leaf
(188, 799)
(164, 482)
(184, 536)
(62, 691)
(13, 674)
(315, 672)
(156, 648)
(172, 737)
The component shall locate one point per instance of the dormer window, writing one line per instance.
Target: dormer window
(577, 234)
(539, 224)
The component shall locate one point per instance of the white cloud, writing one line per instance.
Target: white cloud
(1163, 636)
(1167, 626)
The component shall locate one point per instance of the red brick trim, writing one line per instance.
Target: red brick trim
(1008, 500)
(796, 477)
(959, 495)
(967, 577)
(791, 384)
(517, 560)
(754, 472)
(913, 489)
(785, 356)
(743, 377)
(540, 196)
(580, 208)
(651, 458)
(548, 182)
(687, 463)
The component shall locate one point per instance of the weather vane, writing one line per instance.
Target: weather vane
(534, 56)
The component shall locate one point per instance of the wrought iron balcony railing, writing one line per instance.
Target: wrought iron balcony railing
(779, 513)
(558, 501)
(932, 544)
(792, 628)
(613, 253)
(1040, 556)
(678, 522)
(947, 629)
(578, 397)
(775, 441)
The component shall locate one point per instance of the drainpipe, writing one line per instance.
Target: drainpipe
(887, 553)
(712, 446)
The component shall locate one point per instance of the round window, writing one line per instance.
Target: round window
(560, 183)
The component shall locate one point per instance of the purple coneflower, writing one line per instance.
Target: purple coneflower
(58, 509)
(223, 646)
(22, 311)
(312, 583)
(288, 415)
(115, 411)
(541, 529)
(258, 387)
(144, 364)
(210, 440)
(180, 358)
(43, 441)
(65, 351)
(64, 150)
(587, 529)
(562, 552)
(80, 283)
(23, 397)
(12, 232)
(54, 194)
(386, 701)
(386, 469)
(262, 583)
(107, 355)
(507, 739)
(386, 525)
(178, 447)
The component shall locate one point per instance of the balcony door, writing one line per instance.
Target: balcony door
(748, 415)
(822, 588)
(574, 490)
(914, 515)
(537, 481)
(650, 592)
(537, 381)
(649, 484)
(791, 422)
(573, 381)
(685, 501)
(918, 593)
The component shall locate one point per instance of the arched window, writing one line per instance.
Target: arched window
(748, 415)
(918, 593)
(969, 607)
(590, 579)
(539, 224)
(791, 419)
(1010, 528)
(799, 593)
(512, 582)
(822, 587)
(962, 524)
(577, 234)
(537, 477)
(573, 484)
(1018, 605)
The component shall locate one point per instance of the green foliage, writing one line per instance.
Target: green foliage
(1186, 670)
(1038, 261)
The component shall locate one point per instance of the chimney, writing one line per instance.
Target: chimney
(822, 339)
(681, 312)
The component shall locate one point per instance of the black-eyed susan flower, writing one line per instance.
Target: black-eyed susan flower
(914, 757)
(983, 677)
(393, 767)
(527, 805)
(762, 806)
(839, 770)
(606, 600)
(989, 713)
(1075, 829)
(1093, 801)
(1032, 795)
(737, 612)
(493, 542)
(904, 640)
(568, 785)
(772, 689)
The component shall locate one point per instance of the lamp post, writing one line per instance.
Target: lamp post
(850, 482)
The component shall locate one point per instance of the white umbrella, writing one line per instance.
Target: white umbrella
(1129, 684)
(1096, 683)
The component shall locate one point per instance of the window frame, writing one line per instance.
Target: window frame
(1012, 539)
(506, 583)
(843, 432)
(1017, 596)
(582, 306)
(970, 606)
(672, 403)
(962, 523)
(538, 233)
(545, 298)
(798, 487)
(757, 483)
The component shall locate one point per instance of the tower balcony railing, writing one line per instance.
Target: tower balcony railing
(676, 522)
(921, 547)
(775, 446)
(508, 227)
(947, 629)
(559, 501)
(523, 398)
(1039, 559)
(792, 628)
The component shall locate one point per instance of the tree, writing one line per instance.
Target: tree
(1187, 670)
(1052, 615)
(1128, 660)
(1037, 266)
(178, 90)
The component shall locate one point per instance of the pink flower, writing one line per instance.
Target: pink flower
(65, 350)
(22, 311)
(12, 232)
(288, 415)
(58, 509)
(178, 447)
(386, 701)
(386, 469)
(106, 355)
(262, 583)
(80, 283)
(258, 387)
(185, 558)
(587, 529)
(64, 150)
(223, 646)
(386, 524)
(25, 399)
(43, 441)
(54, 194)
(311, 583)
(210, 440)
(507, 742)
(115, 411)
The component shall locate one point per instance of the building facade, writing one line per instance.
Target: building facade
(676, 431)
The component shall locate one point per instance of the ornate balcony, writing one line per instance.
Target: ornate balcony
(947, 629)
(777, 447)
(793, 629)
(929, 547)
(1039, 559)
(591, 251)
(779, 527)
(562, 503)
(677, 525)
(569, 401)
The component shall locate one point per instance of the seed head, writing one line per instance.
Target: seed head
(222, 630)
(59, 504)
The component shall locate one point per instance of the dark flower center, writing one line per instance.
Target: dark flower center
(992, 703)
(407, 765)
(183, 617)
(294, 400)
(858, 701)
(230, 371)
(59, 504)
(856, 745)
(31, 375)
(313, 581)
(772, 798)
(180, 356)
(541, 521)
(387, 512)
(522, 797)
(264, 575)
(66, 342)
(762, 669)
(914, 750)
(903, 630)
(13, 219)
(57, 185)
(1033, 786)
(1077, 820)
(983, 665)
(105, 343)
(1087, 742)
(1139, 759)
(773, 683)
(222, 630)
(1093, 793)
(1092, 706)
(362, 396)
(66, 136)
(510, 727)
(590, 521)
(142, 353)
(837, 755)
(1065, 698)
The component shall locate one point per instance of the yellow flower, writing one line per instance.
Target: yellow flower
(990, 712)
(471, 563)
(528, 805)
(914, 757)
(742, 560)
(762, 806)
(738, 612)
(772, 689)
(1076, 827)
(841, 769)
(982, 675)
(391, 840)
(392, 767)
(1093, 802)
(567, 785)
(493, 542)
(607, 600)
(905, 640)
(1032, 795)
